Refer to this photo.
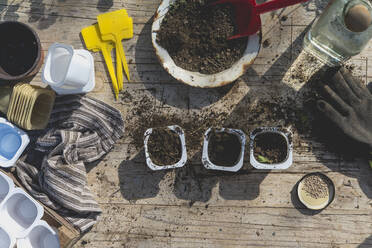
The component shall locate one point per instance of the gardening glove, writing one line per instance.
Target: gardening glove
(349, 106)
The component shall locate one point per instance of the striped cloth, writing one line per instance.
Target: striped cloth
(81, 130)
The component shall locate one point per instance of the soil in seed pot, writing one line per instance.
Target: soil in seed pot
(224, 148)
(164, 147)
(195, 36)
(270, 148)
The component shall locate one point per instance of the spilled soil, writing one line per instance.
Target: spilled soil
(270, 148)
(313, 132)
(164, 146)
(195, 35)
(224, 148)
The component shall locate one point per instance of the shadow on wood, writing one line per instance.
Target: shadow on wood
(367, 243)
(137, 181)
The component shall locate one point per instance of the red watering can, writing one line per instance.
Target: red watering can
(248, 13)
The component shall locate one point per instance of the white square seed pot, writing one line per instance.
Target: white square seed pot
(6, 240)
(19, 213)
(178, 130)
(4, 162)
(6, 187)
(279, 166)
(205, 156)
(20, 219)
(41, 236)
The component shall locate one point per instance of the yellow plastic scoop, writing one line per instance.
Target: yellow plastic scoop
(93, 42)
(116, 26)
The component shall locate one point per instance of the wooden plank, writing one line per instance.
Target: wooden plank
(193, 207)
(182, 226)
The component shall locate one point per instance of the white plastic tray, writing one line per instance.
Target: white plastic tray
(19, 213)
(20, 219)
(41, 236)
(6, 187)
(6, 241)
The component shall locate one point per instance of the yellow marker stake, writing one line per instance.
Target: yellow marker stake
(94, 43)
(116, 26)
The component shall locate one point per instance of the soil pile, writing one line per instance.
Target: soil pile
(224, 148)
(164, 146)
(270, 148)
(195, 36)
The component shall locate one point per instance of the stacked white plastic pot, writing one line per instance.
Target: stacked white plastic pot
(68, 70)
(21, 222)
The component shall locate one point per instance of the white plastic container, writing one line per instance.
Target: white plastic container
(41, 236)
(6, 240)
(6, 187)
(19, 213)
(279, 166)
(69, 71)
(178, 130)
(13, 141)
(205, 156)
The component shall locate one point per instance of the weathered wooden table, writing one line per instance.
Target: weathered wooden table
(192, 207)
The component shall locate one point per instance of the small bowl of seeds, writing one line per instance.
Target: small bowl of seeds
(316, 191)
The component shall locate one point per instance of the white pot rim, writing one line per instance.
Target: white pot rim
(197, 79)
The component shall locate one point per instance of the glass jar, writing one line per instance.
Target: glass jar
(330, 40)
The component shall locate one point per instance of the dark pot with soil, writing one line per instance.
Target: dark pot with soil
(190, 40)
(223, 149)
(21, 55)
(271, 148)
(165, 148)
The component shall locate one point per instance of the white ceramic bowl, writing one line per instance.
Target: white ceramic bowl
(197, 79)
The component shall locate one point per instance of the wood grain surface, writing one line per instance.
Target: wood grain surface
(193, 207)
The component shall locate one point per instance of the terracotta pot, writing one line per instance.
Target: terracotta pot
(197, 79)
(21, 55)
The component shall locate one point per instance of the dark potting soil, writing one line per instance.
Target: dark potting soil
(195, 35)
(270, 148)
(18, 49)
(164, 146)
(224, 148)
